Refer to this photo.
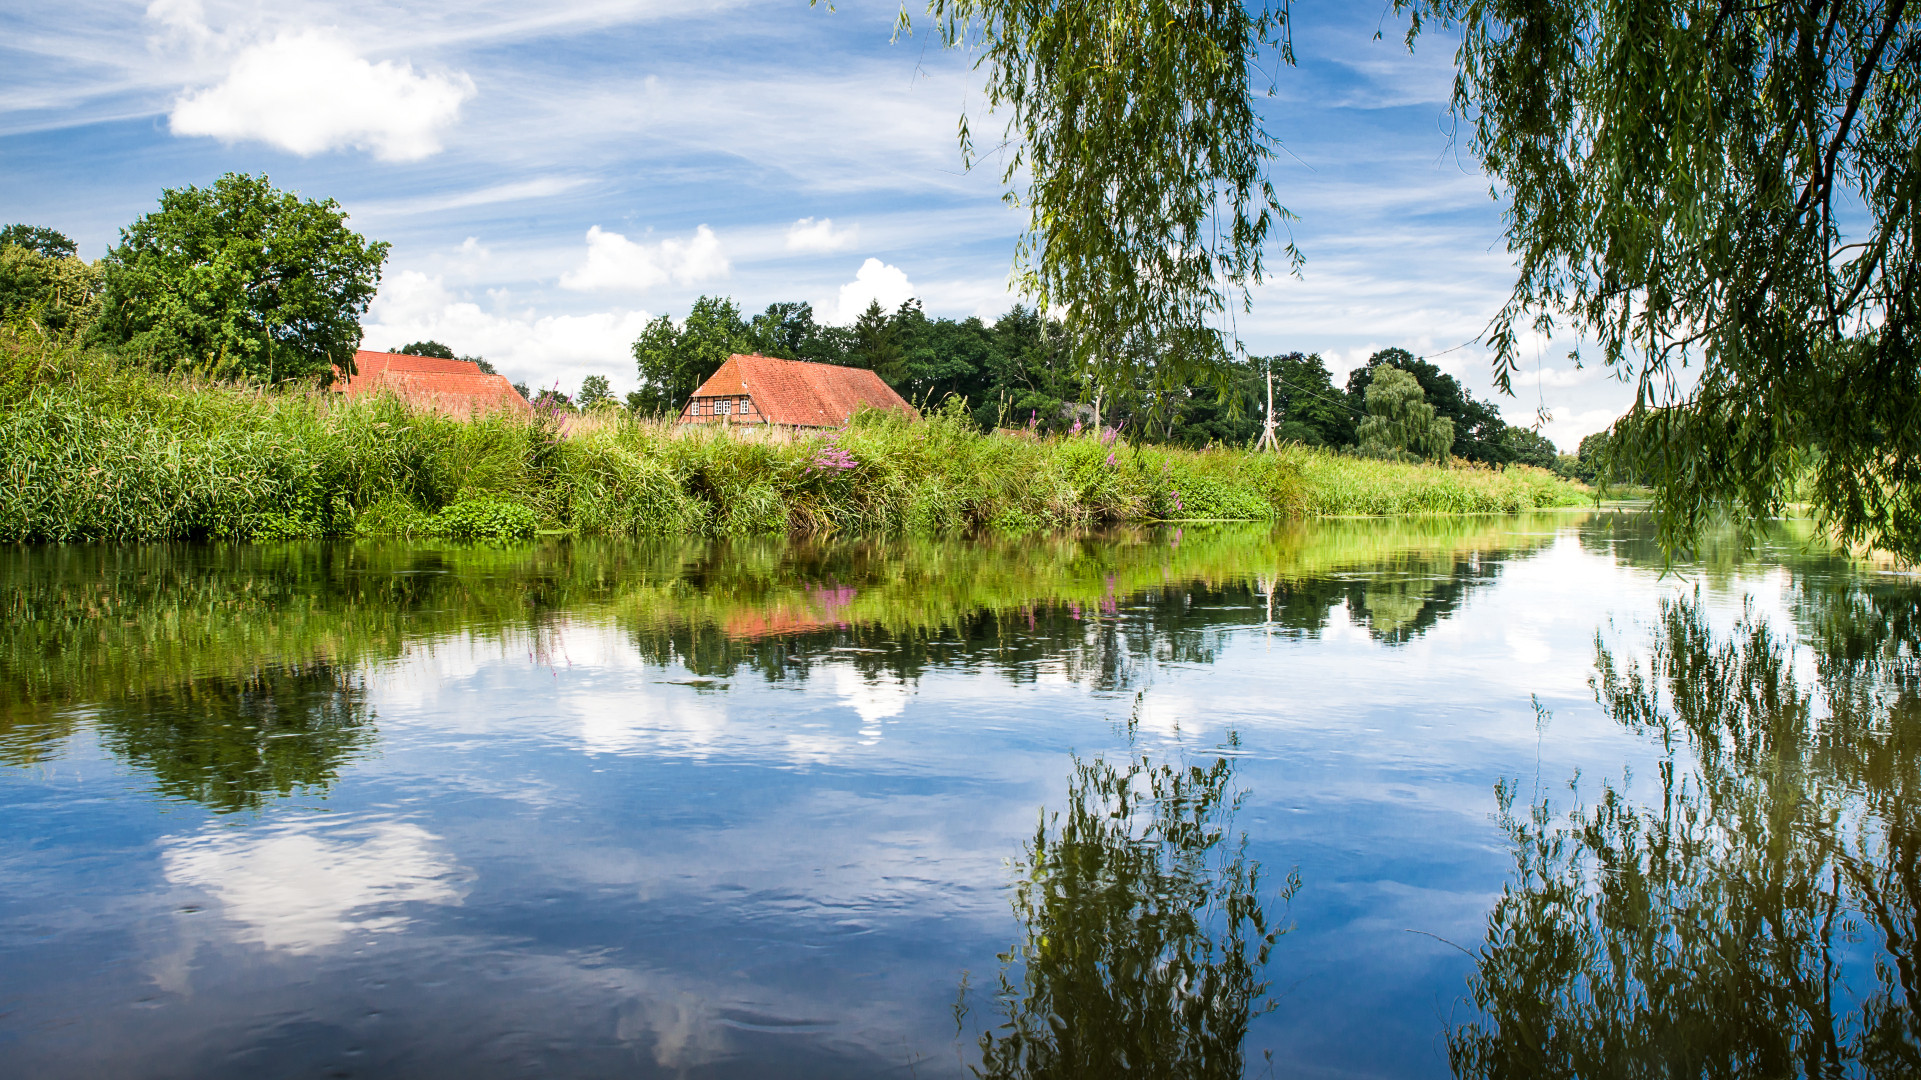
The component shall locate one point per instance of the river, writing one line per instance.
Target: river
(1485, 796)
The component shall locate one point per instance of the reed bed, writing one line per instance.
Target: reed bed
(92, 452)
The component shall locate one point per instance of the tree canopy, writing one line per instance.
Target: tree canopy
(1721, 197)
(240, 278)
(444, 352)
(57, 292)
(427, 348)
(1399, 421)
(1133, 125)
(1724, 198)
(51, 243)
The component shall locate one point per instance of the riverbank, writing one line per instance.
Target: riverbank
(92, 453)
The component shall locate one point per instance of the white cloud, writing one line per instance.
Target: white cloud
(615, 262)
(184, 20)
(307, 92)
(299, 889)
(874, 280)
(413, 306)
(810, 235)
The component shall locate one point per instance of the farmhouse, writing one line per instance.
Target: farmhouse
(452, 387)
(757, 389)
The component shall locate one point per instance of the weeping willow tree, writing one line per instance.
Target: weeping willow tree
(1721, 194)
(1146, 933)
(1149, 210)
(1755, 914)
(1399, 421)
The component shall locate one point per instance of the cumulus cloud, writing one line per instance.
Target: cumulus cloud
(875, 280)
(615, 262)
(413, 306)
(810, 235)
(308, 92)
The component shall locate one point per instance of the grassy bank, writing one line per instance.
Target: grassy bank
(88, 452)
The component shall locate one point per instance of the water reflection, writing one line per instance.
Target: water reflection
(304, 886)
(233, 674)
(1145, 932)
(1758, 915)
(232, 743)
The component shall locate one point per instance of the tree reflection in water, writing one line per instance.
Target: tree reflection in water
(1145, 932)
(233, 743)
(1758, 918)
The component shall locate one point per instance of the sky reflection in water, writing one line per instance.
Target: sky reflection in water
(764, 808)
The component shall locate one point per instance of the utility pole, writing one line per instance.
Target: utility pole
(1268, 441)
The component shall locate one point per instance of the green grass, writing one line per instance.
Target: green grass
(91, 452)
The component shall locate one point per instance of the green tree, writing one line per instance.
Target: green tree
(1134, 127)
(1726, 188)
(427, 348)
(1528, 447)
(60, 294)
(1311, 410)
(787, 329)
(877, 343)
(1213, 415)
(241, 279)
(594, 393)
(1478, 428)
(1399, 420)
(1732, 189)
(51, 243)
(674, 360)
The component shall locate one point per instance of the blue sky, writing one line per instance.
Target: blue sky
(552, 176)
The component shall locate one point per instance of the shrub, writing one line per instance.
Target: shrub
(484, 519)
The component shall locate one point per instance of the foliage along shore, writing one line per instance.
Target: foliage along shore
(89, 451)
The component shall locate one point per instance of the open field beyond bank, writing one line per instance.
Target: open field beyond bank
(91, 453)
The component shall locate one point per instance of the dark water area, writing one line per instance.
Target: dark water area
(1470, 797)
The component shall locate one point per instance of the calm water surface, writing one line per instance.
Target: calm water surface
(1476, 797)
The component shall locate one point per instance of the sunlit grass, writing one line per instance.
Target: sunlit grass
(90, 452)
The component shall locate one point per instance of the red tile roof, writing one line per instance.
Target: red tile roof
(454, 387)
(795, 393)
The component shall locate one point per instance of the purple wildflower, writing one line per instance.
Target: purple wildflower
(832, 457)
(1110, 460)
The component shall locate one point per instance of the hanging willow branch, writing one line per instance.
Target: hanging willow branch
(1133, 126)
(1724, 196)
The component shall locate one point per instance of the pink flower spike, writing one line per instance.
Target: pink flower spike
(1110, 460)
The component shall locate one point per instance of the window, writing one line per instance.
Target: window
(727, 407)
(744, 410)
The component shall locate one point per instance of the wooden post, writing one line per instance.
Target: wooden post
(1268, 440)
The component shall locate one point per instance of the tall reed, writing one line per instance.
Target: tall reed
(89, 451)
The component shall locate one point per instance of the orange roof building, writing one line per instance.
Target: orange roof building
(755, 389)
(452, 387)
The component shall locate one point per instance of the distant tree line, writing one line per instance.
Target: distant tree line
(241, 280)
(1017, 372)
